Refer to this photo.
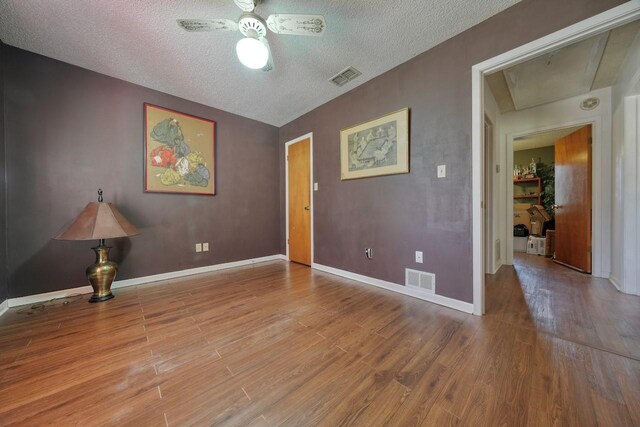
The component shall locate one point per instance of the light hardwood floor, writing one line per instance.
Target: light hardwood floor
(280, 344)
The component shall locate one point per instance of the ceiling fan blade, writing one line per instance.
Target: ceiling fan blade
(208, 24)
(297, 25)
(269, 65)
(245, 5)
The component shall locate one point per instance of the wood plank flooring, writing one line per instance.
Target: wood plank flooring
(280, 344)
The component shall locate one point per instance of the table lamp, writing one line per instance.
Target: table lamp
(99, 221)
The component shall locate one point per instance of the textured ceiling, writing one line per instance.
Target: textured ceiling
(140, 42)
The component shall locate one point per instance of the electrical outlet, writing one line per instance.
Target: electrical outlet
(315, 186)
(205, 247)
(442, 171)
(419, 257)
(368, 252)
(198, 247)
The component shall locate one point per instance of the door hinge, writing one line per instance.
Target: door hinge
(287, 158)
(589, 248)
(287, 241)
(590, 141)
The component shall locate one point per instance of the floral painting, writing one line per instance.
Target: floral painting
(179, 152)
(378, 147)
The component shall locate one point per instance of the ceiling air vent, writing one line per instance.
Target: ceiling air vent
(345, 76)
(590, 103)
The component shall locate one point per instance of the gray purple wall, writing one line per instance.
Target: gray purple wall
(3, 193)
(397, 215)
(69, 131)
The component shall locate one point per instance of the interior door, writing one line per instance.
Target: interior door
(573, 199)
(299, 157)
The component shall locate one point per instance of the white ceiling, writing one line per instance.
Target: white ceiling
(140, 42)
(562, 74)
(573, 70)
(542, 139)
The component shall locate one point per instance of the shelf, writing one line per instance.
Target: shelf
(529, 182)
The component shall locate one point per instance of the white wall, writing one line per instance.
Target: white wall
(625, 162)
(555, 115)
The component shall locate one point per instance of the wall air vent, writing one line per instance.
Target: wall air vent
(345, 76)
(420, 280)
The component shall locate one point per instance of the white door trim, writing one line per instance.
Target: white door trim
(286, 178)
(631, 200)
(489, 256)
(597, 24)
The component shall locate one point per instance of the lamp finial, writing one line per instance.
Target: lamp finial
(100, 195)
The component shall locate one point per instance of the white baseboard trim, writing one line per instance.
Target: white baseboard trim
(615, 282)
(32, 299)
(191, 271)
(4, 306)
(437, 299)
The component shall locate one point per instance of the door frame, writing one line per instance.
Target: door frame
(600, 187)
(490, 196)
(602, 22)
(286, 180)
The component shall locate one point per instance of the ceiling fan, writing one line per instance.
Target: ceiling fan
(253, 50)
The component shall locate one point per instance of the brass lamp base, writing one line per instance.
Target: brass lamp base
(101, 274)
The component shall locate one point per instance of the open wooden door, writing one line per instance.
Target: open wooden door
(573, 200)
(299, 157)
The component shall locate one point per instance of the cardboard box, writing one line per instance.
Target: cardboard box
(538, 213)
(538, 217)
(536, 228)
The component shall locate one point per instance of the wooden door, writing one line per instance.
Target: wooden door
(573, 199)
(299, 157)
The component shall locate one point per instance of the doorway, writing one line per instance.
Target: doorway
(552, 197)
(299, 199)
(594, 26)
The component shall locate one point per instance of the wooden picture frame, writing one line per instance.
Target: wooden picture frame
(376, 148)
(179, 152)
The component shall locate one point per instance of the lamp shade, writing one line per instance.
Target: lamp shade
(98, 220)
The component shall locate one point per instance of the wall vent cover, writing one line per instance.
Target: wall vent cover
(421, 280)
(345, 76)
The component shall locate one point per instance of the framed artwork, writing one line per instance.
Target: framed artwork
(179, 152)
(378, 147)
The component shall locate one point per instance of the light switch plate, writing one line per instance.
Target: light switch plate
(419, 257)
(205, 247)
(198, 247)
(442, 171)
(315, 186)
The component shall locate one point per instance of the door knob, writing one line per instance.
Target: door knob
(556, 207)
(307, 208)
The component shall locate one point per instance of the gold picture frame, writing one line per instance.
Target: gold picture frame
(179, 152)
(376, 148)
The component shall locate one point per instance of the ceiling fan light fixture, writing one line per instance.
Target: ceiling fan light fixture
(252, 53)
